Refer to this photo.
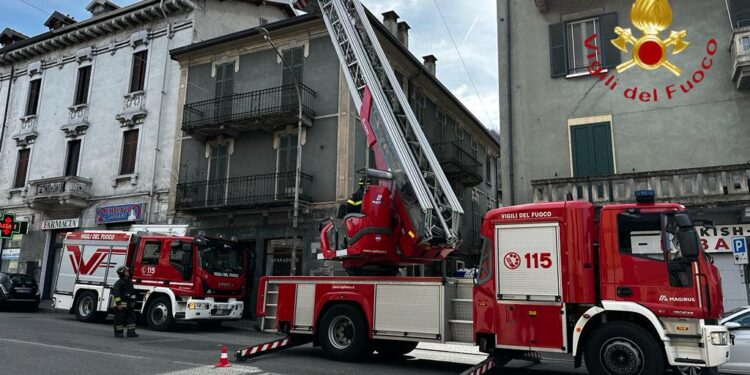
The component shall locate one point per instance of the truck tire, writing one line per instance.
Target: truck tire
(85, 307)
(343, 334)
(623, 348)
(392, 349)
(159, 314)
(686, 370)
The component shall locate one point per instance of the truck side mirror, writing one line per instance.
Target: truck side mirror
(732, 326)
(689, 243)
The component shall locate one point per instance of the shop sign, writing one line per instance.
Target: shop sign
(9, 254)
(9, 226)
(719, 239)
(61, 224)
(120, 213)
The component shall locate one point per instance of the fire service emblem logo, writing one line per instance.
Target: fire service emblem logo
(512, 260)
(649, 51)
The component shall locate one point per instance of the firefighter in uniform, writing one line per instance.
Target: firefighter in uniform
(354, 204)
(124, 298)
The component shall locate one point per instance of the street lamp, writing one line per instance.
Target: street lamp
(298, 168)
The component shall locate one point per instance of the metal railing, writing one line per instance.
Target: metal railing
(243, 192)
(457, 162)
(254, 105)
(693, 186)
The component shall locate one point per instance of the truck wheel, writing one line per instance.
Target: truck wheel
(209, 324)
(343, 335)
(85, 307)
(393, 349)
(687, 370)
(159, 314)
(622, 348)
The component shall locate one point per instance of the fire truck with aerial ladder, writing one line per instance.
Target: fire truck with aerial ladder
(630, 293)
(176, 277)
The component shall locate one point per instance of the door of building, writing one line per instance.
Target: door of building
(278, 257)
(251, 277)
(54, 255)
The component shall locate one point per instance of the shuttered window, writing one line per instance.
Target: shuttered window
(32, 103)
(567, 42)
(22, 168)
(82, 86)
(138, 74)
(739, 12)
(591, 149)
(295, 57)
(71, 162)
(129, 151)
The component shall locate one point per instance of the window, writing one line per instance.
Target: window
(591, 150)
(129, 150)
(71, 162)
(488, 169)
(640, 235)
(287, 163)
(295, 57)
(22, 167)
(181, 258)
(420, 106)
(442, 124)
(82, 86)
(746, 43)
(739, 12)
(151, 252)
(138, 74)
(569, 54)
(218, 166)
(743, 320)
(224, 88)
(32, 103)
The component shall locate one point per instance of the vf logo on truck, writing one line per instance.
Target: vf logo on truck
(88, 267)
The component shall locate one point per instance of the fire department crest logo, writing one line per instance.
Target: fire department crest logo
(512, 260)
(650, 51)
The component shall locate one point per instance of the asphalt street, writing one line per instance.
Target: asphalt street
(56, 343)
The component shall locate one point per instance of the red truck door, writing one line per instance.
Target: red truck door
(642, 263)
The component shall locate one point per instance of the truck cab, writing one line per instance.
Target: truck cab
(632, 292)
(202, 277)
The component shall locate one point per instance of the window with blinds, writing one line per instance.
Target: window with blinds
(591, 150)
(129, 151)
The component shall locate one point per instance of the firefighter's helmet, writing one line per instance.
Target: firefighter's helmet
(121, 270)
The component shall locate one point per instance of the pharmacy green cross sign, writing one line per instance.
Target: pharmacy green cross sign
(9, 226)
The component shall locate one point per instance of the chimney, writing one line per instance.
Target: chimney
(10, 36)
(99, 7)
(430, 62)
(403, 33)
(390, 21)
(58, 20)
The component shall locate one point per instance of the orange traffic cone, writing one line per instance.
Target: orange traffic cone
(224, 359)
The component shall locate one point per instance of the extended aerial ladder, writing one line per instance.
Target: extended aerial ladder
(422, 196)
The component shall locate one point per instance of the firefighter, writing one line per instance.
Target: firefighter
(124, 298)
(354, 204)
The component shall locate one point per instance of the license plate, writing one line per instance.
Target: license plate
(223, 306)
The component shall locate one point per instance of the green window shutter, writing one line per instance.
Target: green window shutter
(581, 150)
(557, 53)
(611, 56)
(601, 137)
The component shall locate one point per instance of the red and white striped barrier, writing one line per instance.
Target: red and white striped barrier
(484, 367)
(270, 347)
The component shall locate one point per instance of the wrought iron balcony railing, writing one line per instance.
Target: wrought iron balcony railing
(267, 105)
(458, 164)
(272, 189)
(693, 186)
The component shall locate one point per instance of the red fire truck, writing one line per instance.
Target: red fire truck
(175, 277)
(631, 293)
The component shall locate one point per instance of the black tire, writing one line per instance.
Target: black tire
(209, 325)
(159, 314)
(85, 307)
(393, 349)
(343, 334)
(623, 348)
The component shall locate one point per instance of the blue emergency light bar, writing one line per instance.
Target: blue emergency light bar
(645, 196)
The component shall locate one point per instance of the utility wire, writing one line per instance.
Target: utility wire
(460, 57)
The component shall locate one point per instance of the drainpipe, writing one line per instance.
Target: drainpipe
(157, 151)
(511, 174)
(7, 102)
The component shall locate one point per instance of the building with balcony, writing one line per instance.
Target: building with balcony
(584, 121)
(90, 117)
(237, 154)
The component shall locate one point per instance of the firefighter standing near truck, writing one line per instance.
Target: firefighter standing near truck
(124, 299)
(354, 204)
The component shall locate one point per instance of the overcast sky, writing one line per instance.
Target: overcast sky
(472, 24)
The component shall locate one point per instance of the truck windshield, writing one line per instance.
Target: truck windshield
(220, 258)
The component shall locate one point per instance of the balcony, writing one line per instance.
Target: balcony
(59, 193)
(741, 58)
(259, 191)
(267, 109)
(458, 164)
(695, 187)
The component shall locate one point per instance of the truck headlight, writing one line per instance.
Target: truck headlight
(197, 305)
(719, 338)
